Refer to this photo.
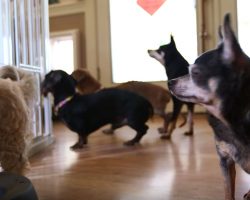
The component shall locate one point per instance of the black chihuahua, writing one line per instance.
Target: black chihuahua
(175, 66)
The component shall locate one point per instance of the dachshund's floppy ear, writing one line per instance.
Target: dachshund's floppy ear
(73, 80)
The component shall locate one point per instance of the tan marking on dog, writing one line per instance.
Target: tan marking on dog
(215, 107)
(213, 84)
(157, 56)
(226, 149)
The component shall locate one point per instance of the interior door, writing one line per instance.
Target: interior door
(210, 14)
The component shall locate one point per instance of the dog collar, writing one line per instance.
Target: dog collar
(61, 104)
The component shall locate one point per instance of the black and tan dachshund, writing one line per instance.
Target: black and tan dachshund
(84, 114)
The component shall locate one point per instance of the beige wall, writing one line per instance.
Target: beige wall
(95, 34)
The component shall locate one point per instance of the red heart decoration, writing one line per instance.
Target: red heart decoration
(150, 6)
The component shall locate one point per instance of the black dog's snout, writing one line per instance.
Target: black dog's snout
(170, 82)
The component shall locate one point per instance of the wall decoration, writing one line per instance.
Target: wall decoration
(150, 6)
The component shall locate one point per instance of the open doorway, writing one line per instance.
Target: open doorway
(64, 48)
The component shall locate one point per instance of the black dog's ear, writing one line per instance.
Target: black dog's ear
(220, 35)
(231, 47)
(72, 80)
(172, 40)
(220, 39)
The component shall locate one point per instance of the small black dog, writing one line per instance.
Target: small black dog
(84, 114)
(220, 81)
(175, 66)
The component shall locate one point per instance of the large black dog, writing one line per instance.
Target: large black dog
(219, 80)
(175, 66)
(84, 114)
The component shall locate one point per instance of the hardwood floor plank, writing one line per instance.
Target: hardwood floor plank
(185, 168)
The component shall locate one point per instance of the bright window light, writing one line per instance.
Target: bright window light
(62, 54)
(244, 24)
(5, 35)
(134, 31)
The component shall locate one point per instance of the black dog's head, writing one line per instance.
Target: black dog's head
(216, 78)
(165, 52)
(58, 80)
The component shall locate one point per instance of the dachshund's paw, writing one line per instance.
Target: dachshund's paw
(76, 146)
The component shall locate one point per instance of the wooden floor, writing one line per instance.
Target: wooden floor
(185, 168)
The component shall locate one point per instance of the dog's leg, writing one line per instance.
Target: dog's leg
(80, 143)
(114, 126)
(184, 120)
(190, 119)
(140, 131)
(171, 129)
(177, 105)
(228, 169)
(166, 117)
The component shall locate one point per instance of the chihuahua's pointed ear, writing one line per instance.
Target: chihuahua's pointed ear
(231, 46)
(220, 38)
(220, 35)
(172, 39)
